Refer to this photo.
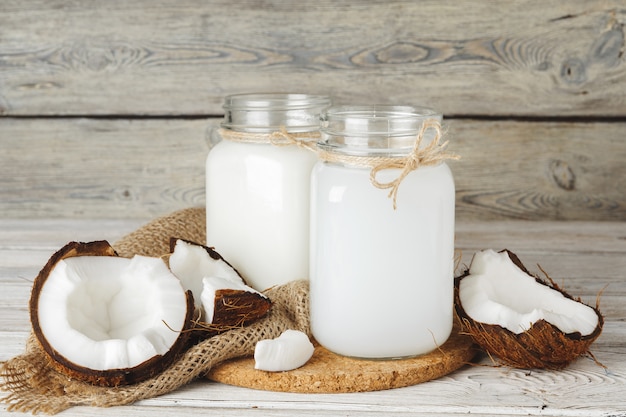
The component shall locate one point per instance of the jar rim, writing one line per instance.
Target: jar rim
(381, 110)
(383, 120)
(269, 112)
(389, 130)
(274, 101)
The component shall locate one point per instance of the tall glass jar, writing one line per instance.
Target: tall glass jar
(382, 233)
(257, 185)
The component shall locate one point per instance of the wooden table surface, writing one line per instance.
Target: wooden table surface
(582, 257)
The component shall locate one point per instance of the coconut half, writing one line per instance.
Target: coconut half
(521, 319)
(223, 300)
(109, 320)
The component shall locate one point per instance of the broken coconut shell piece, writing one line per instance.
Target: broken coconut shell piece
(521, 319)
(223, 299)
(109, 320)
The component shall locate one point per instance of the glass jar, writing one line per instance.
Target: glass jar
(257, 185)
(382, 233)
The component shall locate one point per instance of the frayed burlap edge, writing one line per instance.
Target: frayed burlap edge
(34, 386)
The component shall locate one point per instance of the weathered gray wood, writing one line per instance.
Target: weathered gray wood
(547, 237)
(560, 60)
(146, 167)
(101, 168)
(534, 171)
(584, 388)
(530, 57)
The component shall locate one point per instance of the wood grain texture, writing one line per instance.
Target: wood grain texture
(534, 171)
(101, 168)
(530, 57)
(141, 168)
(158, 72)
(582, 389)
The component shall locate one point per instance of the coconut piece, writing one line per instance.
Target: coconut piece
(191, 262)
(291, 350)
(219, 295)
(109, 320)
(521, 319)
(223, 299)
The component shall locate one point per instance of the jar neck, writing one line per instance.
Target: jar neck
(271, 112)
(383, 138)
(385, 131)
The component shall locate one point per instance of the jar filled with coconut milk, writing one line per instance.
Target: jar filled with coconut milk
(258, 182)
(382, 233)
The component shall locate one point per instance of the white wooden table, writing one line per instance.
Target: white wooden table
(583, 257)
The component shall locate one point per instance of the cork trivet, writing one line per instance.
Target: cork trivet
(327, 372)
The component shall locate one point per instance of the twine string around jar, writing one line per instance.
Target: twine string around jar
(279, 137)
(432, 154)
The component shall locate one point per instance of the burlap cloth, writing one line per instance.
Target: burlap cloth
(34, 386)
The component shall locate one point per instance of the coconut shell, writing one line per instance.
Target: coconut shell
(233, 308)
(111, 377)
(542, 346)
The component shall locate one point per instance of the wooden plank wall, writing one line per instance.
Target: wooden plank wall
(106, 107)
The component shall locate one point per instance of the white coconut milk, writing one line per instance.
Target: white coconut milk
(258, 182)
(257, 202)
(381, 281)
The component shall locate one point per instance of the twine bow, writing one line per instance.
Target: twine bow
(432, 154)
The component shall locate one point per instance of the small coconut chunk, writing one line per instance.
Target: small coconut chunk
(104, 312)
(210, 287)
(191, 263)
(291, 350)
(498, 292)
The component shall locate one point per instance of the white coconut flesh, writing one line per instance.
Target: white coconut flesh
(204, 276)
(105, 312)
(291, 350)
(498, 292)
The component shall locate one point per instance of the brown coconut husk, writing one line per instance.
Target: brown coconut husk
(109, 377)
(543, 346)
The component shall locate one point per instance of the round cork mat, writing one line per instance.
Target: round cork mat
(327, 372)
